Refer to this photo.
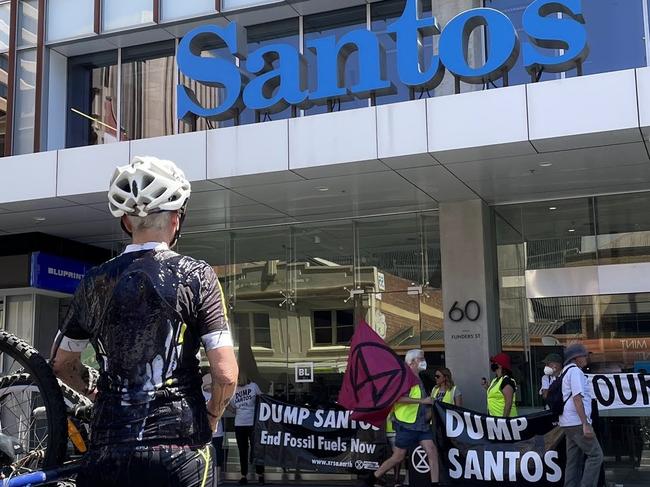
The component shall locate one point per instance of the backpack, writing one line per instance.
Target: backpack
(554, 397)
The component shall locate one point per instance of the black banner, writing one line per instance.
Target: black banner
(329, 441)
(484, 451)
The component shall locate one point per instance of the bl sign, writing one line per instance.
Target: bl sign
(275, 75)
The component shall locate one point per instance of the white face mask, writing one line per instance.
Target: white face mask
(422, 365)
(548, 370)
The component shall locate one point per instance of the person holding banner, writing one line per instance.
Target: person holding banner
(445, 390)
(576, 423)
(501, 391)
(412, 415)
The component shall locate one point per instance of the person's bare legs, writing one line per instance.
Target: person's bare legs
(395, 459)
(432, 453)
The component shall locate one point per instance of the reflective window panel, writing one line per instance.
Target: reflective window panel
(5, 13)
(92, 100)
(4, 66)
(23, 139)
(148, 91)
(68, 19)
(335, 23)
(235, 4)
(27, 23)
(118, 14)
(174, 10)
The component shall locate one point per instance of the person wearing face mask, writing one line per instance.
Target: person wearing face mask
(412, 414)
(552, 370)
(501, 391)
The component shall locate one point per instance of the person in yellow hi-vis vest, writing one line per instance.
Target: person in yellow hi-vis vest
(445, 390)
(390, 438)
(412, 415)
(501, 391)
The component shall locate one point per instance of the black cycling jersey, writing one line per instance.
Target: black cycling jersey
(146, 313)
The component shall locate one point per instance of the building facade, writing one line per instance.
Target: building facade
(465, 205)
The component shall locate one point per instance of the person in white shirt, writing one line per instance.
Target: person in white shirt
(243, 403)
(552, 370)
(575, 421)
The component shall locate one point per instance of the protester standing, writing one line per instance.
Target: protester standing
(503, 388)
(412, 415)
(552, 370)
(243, 403)
(576, 422)
(445, 390)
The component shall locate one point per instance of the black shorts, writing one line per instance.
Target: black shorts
(155, 466)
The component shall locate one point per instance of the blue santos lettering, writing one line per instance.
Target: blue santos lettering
(274, 76)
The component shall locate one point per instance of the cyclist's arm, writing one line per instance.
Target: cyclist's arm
(217, 340)
(68, 367)
(224, 372)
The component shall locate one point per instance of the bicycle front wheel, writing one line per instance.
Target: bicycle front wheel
(32, 408)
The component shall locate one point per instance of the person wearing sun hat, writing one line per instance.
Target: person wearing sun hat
(576, 423)
(552, 370)
(501, 391)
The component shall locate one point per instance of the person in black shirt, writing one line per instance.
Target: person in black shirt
(146, 313)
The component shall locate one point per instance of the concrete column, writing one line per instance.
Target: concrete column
(469, 275)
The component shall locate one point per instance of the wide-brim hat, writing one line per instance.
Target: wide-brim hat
(574, 351)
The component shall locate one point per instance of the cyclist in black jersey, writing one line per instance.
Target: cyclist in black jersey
(146, 313)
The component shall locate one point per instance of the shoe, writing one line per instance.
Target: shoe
(260, 480)
(243, 481)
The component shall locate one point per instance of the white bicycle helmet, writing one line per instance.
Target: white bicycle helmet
(148, 185)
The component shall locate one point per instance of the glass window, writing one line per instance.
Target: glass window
(261, 330)
(383, 14)
(281, 32)
(5, 14)
(337, 23)
(4, 89)
(23, 141)
(148, 91)
(173, 9)
(235, 4)
(615, 34)
(559, 233)
(27, 23)
(92, 100)
(514, 9)
(333, 327)
(118, 14)
(323, 327)
(623, 228)
(69, 18)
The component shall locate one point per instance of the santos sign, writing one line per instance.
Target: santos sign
(274, 76)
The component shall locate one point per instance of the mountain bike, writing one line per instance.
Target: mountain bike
(43, 422)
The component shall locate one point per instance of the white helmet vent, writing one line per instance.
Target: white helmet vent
(146, 186)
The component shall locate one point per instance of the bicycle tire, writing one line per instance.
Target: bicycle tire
(43, 377)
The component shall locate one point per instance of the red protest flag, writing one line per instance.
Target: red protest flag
(375, 377)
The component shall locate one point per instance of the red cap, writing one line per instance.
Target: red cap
(502, 359)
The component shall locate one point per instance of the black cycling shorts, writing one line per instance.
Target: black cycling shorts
(155, 466)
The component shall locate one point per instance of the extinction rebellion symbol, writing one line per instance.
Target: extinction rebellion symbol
(420, 460)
